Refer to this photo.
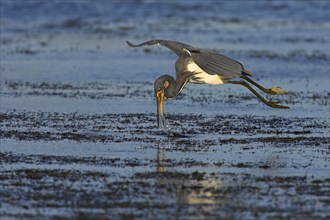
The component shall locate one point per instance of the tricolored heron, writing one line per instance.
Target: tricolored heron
(197, 65)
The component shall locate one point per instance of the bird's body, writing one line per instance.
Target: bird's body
(197, 65)
(200, 76)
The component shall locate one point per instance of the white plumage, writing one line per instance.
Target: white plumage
(201, 76)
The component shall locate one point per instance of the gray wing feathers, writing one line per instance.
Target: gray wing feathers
(217, 64)
(148, 43)
(176, 47)
(209, 61)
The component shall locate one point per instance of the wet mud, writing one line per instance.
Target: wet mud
(207, 167)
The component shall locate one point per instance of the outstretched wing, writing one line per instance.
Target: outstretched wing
(209, 61)
(217, 64)
(176, 47)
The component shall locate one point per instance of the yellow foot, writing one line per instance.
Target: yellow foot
(275, 105)
(277, 91)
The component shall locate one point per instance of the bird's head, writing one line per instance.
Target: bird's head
(168, 88)
(164, 89)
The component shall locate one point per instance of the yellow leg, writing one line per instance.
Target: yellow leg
(269, 103)
(272, 91)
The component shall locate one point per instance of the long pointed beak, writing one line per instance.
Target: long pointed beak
(160, 108)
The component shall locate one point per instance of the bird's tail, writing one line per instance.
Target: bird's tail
(247, 73)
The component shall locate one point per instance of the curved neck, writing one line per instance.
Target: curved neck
(175, 87)
(181, 81)
(170, 86)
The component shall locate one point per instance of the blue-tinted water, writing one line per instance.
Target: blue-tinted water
(250, 31)
(54, 11)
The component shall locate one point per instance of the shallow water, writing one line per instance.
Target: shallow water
(78, 123)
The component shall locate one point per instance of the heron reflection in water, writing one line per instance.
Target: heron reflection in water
(188, 190)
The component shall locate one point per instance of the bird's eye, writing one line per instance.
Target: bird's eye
(166, 84)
